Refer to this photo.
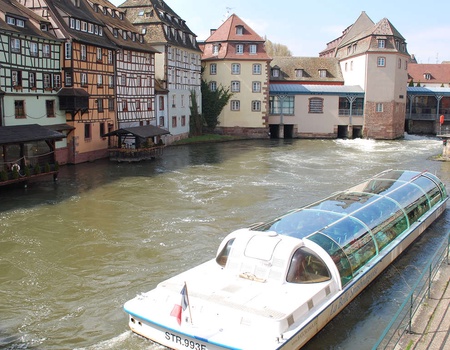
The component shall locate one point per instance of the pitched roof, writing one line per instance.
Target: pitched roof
(439, 73)
(310, 67)
(32, 21)
(27, 133)
(232, 32)
(227, 32)
(154, 15)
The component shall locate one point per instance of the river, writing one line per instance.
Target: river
(72, 252)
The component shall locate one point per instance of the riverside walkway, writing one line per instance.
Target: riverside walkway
(431, 323)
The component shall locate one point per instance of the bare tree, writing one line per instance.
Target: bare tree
(277, 50)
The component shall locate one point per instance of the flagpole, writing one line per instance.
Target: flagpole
(189, 303)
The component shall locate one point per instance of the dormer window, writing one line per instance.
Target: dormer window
(44, 27)
(275, 72)
(215, 50)
(124, 35)
(239, 30)
(427, 76)
(253, 48)
(322, 73)
(381, 43)
(299, 73)
(240, 49)
(141, 13)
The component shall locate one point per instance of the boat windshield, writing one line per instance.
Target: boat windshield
(353, 226)
(306, 267)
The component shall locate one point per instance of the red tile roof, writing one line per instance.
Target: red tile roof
(439, 73)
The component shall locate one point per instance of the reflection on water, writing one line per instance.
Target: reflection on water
(73, 252)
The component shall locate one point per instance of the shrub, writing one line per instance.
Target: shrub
(37, 169)
(3, 175)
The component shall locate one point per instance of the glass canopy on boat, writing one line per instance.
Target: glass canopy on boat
(353, 226)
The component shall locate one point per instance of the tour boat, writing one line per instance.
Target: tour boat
(274, 285)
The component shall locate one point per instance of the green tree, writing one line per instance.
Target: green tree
(196, 120)
(411, 83)
(213, 103)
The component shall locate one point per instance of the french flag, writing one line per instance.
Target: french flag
(178, 309)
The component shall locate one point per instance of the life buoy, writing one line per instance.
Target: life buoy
(15, 167)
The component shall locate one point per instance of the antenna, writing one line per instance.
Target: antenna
(227, 14)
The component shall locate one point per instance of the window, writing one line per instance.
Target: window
(102, 129)
(275, 72)
(427, 76)
(215, 49)
(174, 100)
(183, 120)
(72, 23)
(20, 22)
(174, 122)
(381, 43)
(110, 57)
(161, 121)
(213, 86)
(138, 105)
(285, 105)
(100, 105)
(99, 80)
(322, 73)
(56, 81)
(68, 78)
(235, 68)
(83, 79)
(15, 45)
(83, 52)
(87, 131)
(111, 81)
(46, 50)
(110, 104)
(91, 28)
(239, 48)
(32, 80)
(124, 105)
(68, 50)
(379, 107)
(256, 86)
(399, 63)
(33, 49)
(299, 73)
(150, 105)
(235, 86)
(354, 48)
(123, 79)
(11, 20)
(84, 26)
(99, 54)
(256, 68)
(381, 61)
(138, 81)
(256, 106)
(213, 69)
(239, 30)
(77, 24)
(253, 48)
(161, 103)
(16, 78)
(235, 105)
(315, 105)
(306, 267)
(50, 108)
(19, 109)
(47, 81)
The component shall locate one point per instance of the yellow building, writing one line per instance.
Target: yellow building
(234, 57)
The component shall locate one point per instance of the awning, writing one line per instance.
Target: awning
(60, 127)
(75, 92)
(27, 133)
(144, 131)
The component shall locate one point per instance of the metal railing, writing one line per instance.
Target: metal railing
(402, 321)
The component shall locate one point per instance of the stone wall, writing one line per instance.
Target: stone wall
(386, 125)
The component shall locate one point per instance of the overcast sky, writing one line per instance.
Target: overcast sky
(306, 26)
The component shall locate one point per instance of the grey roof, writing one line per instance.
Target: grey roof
(143, 131)
(310, 67)
(413, 90)
(299, 89)
(27, 133)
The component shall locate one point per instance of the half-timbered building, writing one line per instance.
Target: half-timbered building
(177, 68)
(135, 67)
(30, 76)
(88, 93)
